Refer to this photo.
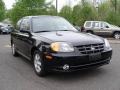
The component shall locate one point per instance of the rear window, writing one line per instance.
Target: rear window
(88, 24)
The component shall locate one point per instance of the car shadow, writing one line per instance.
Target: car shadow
(69, 76)
(82, 74)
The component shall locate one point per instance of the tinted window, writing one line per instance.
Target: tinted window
(50, 24)
(25, 25)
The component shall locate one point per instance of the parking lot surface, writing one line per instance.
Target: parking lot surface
(16, 73)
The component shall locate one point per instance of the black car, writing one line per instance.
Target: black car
(53, 44)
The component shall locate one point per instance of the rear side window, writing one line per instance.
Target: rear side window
(95, 24)
(88, 24)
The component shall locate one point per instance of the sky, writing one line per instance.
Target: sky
(9, 3)
(61, 3)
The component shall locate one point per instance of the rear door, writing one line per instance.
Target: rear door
(96, 27)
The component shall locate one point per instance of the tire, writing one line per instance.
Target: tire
(117, 35)
(14, 52)
(90, 32)
(1, 32)
(39, 66)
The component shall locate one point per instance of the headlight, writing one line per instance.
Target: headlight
(107, 44)
(62, 47)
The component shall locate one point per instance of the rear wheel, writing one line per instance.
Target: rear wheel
(14, 52)
(117, 35)
(39, 67)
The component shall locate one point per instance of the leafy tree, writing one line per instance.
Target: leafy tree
(66, 12)
(76, 15)
(2, 10)
(104, 10)
(83, 12)
(51, 10)
(26, 8)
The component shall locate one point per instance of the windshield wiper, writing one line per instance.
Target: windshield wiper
(66, 30)
(41, 31)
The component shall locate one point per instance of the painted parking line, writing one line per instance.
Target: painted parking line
(7, 46)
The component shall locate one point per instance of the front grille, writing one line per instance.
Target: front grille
(91, 48)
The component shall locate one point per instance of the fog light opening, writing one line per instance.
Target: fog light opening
(49, 58)
(66, 67)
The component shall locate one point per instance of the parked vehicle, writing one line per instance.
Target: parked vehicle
(102, 28)
(53, 44)
(78, 28)
(5, 29)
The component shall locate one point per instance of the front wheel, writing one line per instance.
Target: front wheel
(14, 52)
(117, 35)
(39, 67)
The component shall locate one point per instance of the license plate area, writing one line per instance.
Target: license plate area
(95, 56)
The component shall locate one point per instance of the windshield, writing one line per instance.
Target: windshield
(51, 24)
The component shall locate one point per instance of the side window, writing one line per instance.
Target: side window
(95, 24)
(88, 24)
(25, 25)
(104, 25)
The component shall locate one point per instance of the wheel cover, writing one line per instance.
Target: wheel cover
(37, 63)
(117, 36)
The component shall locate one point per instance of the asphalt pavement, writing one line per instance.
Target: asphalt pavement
(16, 73)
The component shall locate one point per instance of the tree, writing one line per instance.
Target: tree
(51, 10)
(2, 10)
(66, 12)
(26, 8)
(114, 4)
(103, 10)
(76, 15)
(83, 12)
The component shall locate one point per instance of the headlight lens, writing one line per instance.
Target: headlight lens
(107, 44)
(62, 47)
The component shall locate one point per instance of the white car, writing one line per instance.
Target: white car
(102, 28)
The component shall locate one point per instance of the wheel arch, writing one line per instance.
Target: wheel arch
(33, 49)
(90, 31)
(115, 32)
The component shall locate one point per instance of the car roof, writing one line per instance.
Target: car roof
(94, 21)
(41, 16)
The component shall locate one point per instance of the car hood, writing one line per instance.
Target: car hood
(115, 27)
(72, 37)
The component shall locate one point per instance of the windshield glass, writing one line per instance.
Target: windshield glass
(51, 24)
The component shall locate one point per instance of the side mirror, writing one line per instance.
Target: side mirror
(107, 26)
(26, 31)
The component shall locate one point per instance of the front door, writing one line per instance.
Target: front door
(105, 29)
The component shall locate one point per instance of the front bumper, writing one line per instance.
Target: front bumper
(76, 61)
